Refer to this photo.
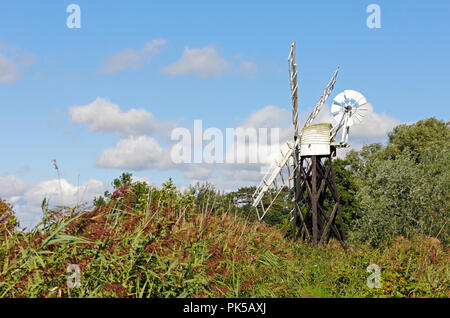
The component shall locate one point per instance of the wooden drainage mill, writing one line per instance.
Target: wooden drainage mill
(306, 167)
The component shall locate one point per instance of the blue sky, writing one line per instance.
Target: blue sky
(401, 68)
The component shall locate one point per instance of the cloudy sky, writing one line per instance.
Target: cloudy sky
(104, 98)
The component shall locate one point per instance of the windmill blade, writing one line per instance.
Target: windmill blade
(356, 96)
(339, 99)
(348, 108)
(336, 109)
(362, 110)
(351, 94)
(294, 88)
(273, 173)
(359, 107)
(274, 182)
(338, 117)
(361, 100)
(357, 118)
(322, 99)
(360, 113)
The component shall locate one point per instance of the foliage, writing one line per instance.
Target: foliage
(159, 242)
(8, 222)
(145, 241)
(404, 186)
(416, 138)
(347, 186)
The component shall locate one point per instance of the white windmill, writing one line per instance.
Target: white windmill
(307, 169)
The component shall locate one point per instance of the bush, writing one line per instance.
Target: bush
(8, 221)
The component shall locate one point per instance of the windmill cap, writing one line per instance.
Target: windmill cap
(316, 134)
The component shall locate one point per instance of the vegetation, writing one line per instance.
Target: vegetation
(403, 188)
(145, 241)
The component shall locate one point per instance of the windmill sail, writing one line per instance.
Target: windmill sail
(322, 99)
(280, 174)
(348, 108)
(277, 177)
(294, 89)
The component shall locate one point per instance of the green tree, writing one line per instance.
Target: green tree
(124, 179)
(404, 186)
(417, 138)
(347, 185)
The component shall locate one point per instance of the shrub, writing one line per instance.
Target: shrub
(8, 221)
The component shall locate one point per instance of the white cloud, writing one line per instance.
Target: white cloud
(27, 198)
(12, 61)
(143, 152)
(242, 173)
(231, 181)
(61, 192)
(132, 59)
(136, 153)
(102, 115)
(248, 68)
(229, 176)
(198, 172)
(374, 125)
(9, 71)
(11, 186)
(141, 179)
(271, 117)
(14, 199)
(204, 62)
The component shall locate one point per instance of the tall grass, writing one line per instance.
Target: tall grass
(149, 242)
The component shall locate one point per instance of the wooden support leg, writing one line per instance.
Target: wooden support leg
(314, 199)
